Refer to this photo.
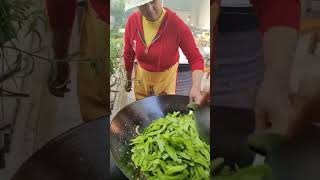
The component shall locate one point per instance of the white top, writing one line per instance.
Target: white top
(183, 59)
(235, 3)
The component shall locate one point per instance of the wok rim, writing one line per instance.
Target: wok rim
(58, 138)
(126, 107)
(138, 101)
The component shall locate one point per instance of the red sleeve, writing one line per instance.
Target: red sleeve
(189, 48)
(61, 13)
(277, 13)
(128, 54)
(102, 9)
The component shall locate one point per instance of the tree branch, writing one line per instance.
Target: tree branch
(8, 93)
(9, 74)
(28, 53)
(44, 58)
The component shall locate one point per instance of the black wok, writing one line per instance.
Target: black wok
(140, 113)
(79, 154)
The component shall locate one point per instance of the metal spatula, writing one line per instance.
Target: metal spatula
(202, 118)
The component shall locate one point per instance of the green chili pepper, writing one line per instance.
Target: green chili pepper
(170, 149)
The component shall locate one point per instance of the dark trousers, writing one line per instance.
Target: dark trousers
(231, 127)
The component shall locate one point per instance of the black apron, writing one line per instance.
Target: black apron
(239, 66)
(236, 78)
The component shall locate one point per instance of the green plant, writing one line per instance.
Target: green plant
(18, 19)
(116, 66)
(117, 11)
(16, 15)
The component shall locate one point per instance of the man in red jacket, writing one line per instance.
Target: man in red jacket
(254, 46)
(153, 36)
(278, 22)
(93, 89)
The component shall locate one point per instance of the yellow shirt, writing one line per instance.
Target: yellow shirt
(151, 29)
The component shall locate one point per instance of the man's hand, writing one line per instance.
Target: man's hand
(195, 92)
(273, 108)
(60, 80)
(205, 94)
(195, 95)
(205, 98)
(128, 86)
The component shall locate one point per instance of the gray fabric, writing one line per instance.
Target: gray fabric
(184, 81)
(239, 69)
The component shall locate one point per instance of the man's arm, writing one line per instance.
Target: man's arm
(61, 16)
(279, 24)
(102, 8)
(128, 55)
(279, 44)
(189, 48)
(195, 92)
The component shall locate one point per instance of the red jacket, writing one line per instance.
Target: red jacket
(275, 13)
(271, 13)
(163, 51)
(62, 12)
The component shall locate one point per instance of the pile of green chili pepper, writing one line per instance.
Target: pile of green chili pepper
(170, 149)
(220, 171)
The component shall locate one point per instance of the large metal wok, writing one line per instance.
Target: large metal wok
(78, 154)
(137, 116)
